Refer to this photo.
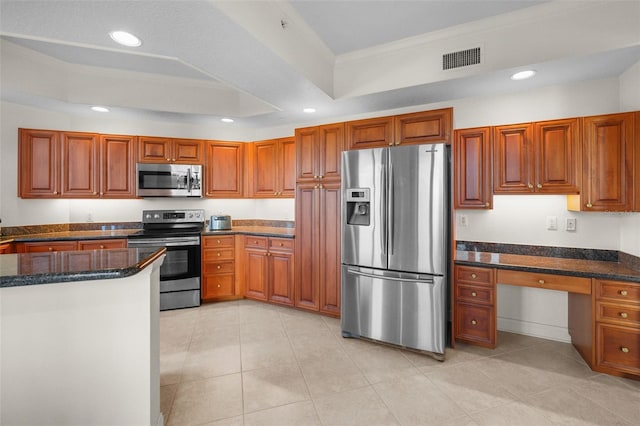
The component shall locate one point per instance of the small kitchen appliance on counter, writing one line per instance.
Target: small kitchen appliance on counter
(220, 223)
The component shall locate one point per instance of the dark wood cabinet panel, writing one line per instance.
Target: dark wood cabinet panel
(307, 151)
(39, 173)
(281, 271)
(101, 244)
(433, 126)
(319, 152)
(512, 159)
(370, 133)
(474, 305)
(330, 248)
(472, 168)
(557, 156)
(271, 170)
(218, 268)
(45, 246)
(255, 273)
(636, 162)
(287, 169)
(80, 165)
(117, 166)
(187, 151)
(154, 149)
(223, 169)
(307, 239)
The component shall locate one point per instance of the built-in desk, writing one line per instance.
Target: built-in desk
(604, 303)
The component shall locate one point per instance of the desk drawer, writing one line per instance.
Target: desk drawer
(476, 324)
(628, 315)
(219, 267)
(217, 286)
(619, 348)
(221, 241)
(219, 254)
(547, 281)
(475, 294)
(618, 290)
(473, 275)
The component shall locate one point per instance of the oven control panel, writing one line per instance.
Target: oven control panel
(173, 216)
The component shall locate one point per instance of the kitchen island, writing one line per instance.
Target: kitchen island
(79, 337)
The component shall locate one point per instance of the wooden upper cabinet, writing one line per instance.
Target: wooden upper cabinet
(168, 150)
(472, 168)
(271, 168)
(541, 157)
(118, 167)
(424, 127)
(319, 152)
(636, 162)
(39, 164)
(556, 147)
(512, 159)
(369, 133)
(607, 173)
(223, 169)
(80, 174)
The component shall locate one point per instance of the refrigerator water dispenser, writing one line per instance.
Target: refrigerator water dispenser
(358, 206)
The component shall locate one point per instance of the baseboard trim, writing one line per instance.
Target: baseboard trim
(544, 331)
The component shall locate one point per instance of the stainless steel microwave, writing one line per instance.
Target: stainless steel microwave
(168, 180)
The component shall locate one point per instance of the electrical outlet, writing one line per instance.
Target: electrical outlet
(463, 220)
(570, 224)
(552, 223)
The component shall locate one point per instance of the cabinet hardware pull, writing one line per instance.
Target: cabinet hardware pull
(623, 292)
(219, 254)
(102, 193)
(275, 193)
(474, 294)
(50, 248)
(101, 246)
(474, 322)
(624, 349)
(539, 185)
(95, 193)
(281, 244)
(55, 192)
(474, 276)
(320, 176)
(218, 241)
(390, 143)
(315, 176)
(486, 204)
(168, 159)
(219, 266)
(218, 285)
(623, 315)
(530, 185)
(173, 159)
(540, 281)
(589, 205)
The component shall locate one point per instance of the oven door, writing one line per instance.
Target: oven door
(182, 259)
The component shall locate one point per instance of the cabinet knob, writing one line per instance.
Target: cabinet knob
(218, 285)
(255, 242)
(168, 159)
(173, 159)
(623, 315)
(281, 244)
(624, 349)
(101, 246)
(95, 193)
(623, 292)
(589, 205)
(219, 267)
(55, 192)
(540, 282)
(487, 204)
(275, 193)
(320, 176)
(474, 322)
(50, 248)
(390, 143)
(530, 185)
(315, 176)
(219, 254)
(474, 294)
(539, 186)
(474, 276)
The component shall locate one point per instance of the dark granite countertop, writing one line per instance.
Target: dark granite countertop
(65, 266)
(75, 235)
(549, 265)
(267, 231)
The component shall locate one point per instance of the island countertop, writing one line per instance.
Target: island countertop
(24, 269)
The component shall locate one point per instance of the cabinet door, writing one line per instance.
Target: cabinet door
(287, 169)
(636, 162)
(557, 156)
(117, 165)
(307, 149)
(281, 275)
(80, 174)
(306, 246)
(187, 151)
(101, 244)
(255, 273)
(512, 159)
(264, 169)
(608, 153)
(154, 150)
(39, 172)
(6, 248)
(472, 168)
(330, 248)
(224, 169)
(331, 147)
(424, 127)
(46, 246)
(370, 133)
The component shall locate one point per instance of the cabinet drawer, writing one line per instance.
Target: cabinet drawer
(219, 254)
(217, 285)
(474, 294)
(256, 242)
(285, 244)
(218, 241)
(547, 281)
(619, 348)
(623, 314)
(617, 290)
(101, 244)
(219, 268)
(476, 324)
(473, 275)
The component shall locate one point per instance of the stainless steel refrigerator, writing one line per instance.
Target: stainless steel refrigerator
(395, 220)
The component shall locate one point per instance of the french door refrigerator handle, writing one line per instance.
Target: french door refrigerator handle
(384, 235)
(382, 277)
(390, 224)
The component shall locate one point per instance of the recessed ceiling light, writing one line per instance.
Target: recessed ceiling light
(125, 38)
(522, 75)
(309, 110)
(100, 109)
(227, 120)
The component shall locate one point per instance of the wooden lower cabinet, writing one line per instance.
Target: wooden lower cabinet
(475, 309)
(46, 246)
(6, 248)
(268, 269)
(218, 268)
(101, 244)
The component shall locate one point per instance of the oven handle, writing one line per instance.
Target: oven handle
(172, 242)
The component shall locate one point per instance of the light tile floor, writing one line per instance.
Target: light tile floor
(249, 363)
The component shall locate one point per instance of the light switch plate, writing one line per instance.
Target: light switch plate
(552, 223)
(570, 224)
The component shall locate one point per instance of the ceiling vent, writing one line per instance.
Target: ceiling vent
(462, 58)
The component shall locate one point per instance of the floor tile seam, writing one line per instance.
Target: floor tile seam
(304, 379)
(166, 420)
(205, 378)
(604, 407)
(446, 395)
(385, 404)
(358, 367)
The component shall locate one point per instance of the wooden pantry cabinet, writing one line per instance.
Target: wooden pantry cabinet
(269, 269)
(472, 168)
(56, 164)
(224, 169)
(540, 157)
(170, 150)
(319, 153)
(271, 168)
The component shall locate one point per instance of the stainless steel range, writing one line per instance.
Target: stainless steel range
(178, 231)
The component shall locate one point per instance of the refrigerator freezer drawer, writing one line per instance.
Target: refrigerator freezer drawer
(394, 307)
